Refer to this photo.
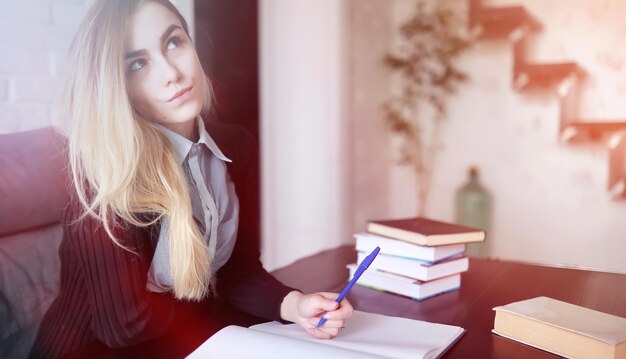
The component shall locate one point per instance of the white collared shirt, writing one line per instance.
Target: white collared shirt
(214, 202)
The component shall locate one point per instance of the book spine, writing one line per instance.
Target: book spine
(405, 286)
(417, 269)
(367, 243)
(397, 233)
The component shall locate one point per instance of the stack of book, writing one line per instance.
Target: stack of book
(419, 257)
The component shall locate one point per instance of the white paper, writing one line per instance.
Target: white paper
(366, 336)
(240, 342)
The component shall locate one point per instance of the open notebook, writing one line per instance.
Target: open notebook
(367, 335)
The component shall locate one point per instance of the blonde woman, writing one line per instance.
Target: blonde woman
(161, 236)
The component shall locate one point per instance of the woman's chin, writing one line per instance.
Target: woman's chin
(184, 114)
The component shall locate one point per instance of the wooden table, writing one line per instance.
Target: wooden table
(487, 284)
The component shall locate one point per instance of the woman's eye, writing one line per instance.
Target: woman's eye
(136, 65)
(173, 43)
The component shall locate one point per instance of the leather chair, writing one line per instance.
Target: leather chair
(33, 192)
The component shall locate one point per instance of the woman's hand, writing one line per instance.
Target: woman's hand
(306, 311)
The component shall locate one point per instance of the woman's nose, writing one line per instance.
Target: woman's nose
(169, 71)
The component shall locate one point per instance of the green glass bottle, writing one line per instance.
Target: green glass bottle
(473, 209)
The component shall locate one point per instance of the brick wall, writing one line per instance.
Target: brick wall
(35, 37)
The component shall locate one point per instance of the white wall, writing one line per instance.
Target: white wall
(327, 161)
(303, 128)
(551, 202)
(371, 158)
(310, 147)
(296, 60)
(36, 35)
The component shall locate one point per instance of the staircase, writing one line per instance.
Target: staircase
(516, 24)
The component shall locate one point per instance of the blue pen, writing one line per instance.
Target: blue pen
(362, 267)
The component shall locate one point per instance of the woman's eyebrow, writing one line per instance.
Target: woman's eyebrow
(166, 33)
(130, 55)
(169, 30)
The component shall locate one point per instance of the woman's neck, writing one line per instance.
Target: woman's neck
(188, 129)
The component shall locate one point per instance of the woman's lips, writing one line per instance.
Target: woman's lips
(180, 96)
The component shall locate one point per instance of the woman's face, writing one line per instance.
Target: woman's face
(165, 79)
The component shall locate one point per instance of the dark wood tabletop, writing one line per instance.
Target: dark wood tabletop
(487, 284)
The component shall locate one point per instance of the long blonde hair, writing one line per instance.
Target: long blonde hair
(122, 165)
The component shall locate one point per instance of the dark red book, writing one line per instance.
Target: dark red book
(425, 232)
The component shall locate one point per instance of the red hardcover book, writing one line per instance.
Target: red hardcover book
(425, 232)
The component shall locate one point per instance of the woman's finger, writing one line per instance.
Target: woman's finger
(316, 304)
(324, 333)
(344, 311)
(319, 334)
(329, 323)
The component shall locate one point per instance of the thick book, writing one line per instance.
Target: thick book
(366, 242)
(366, 335)
(417, 269)
(425, 232)
(562, 328)
(406, 286)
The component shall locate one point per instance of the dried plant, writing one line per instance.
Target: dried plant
(431, 39)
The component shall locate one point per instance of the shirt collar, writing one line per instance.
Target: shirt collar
(182, 145)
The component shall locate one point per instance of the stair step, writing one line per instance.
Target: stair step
(543, 76)
(577, 131)
(617, 165)
(515, 23)
(500, 22)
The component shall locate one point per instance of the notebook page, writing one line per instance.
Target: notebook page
(381, 335)
(240, 342)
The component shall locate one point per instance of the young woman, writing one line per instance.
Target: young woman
(161, 236)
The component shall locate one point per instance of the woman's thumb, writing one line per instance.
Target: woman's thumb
(331, 305)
